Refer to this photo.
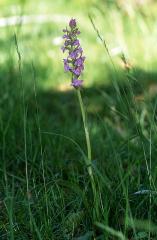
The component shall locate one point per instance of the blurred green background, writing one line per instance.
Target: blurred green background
(44, 183)
(128, 27)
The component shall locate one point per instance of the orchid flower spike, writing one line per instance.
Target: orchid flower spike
(74, 63)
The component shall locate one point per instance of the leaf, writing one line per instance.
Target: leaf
(86, 236)
(111, 231)
(141, 235)
(73, 220)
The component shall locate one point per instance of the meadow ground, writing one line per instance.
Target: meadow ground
(45, 191)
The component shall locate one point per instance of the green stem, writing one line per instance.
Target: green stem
(89, 155)
(85, 125)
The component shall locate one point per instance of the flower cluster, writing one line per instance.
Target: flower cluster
(74, 62)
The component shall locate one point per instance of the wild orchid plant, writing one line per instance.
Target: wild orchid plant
(74, 63)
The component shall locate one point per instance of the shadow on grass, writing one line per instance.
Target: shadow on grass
(45, 128)
(117, 112)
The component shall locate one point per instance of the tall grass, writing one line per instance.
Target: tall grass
(44, 182)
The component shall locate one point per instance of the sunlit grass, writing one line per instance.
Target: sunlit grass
(135, 36)
(45, 191)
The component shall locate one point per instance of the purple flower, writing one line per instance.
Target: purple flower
(74, 63)
(65, 36)
(77, 83)
(79, 50)
(63, 49)
(67, 43)
(66, 65)
(76, 43)
(77, 71)
(79, 61)
(73, 54)
(65, 61)
(72, 23)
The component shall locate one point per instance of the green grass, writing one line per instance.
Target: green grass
(45, 190)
